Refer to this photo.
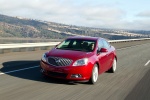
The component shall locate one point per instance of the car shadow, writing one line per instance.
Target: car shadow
(30, 70)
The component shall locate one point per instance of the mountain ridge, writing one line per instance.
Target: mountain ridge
(29, 28)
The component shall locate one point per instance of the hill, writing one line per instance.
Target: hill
(29, 28)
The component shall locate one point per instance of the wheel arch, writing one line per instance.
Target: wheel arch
(116, 57)
(98, 65)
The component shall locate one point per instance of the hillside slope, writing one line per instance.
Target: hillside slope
(24, 28)
(16, 27)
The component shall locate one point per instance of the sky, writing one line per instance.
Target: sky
(114, 14)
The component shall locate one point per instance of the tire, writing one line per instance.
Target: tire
(94, 75)
(113, 68)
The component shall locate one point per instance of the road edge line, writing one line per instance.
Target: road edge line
(18, 70)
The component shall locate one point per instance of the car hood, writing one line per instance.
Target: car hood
(71, 54)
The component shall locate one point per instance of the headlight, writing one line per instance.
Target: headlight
(44, 57)
(81, 62)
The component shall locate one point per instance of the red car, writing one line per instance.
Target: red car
(79, 59)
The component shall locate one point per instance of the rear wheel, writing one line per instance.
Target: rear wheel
(113, 68)
(94, 76)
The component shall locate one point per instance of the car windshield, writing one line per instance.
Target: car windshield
(78, 45)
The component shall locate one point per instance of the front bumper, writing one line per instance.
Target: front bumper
(74, 73)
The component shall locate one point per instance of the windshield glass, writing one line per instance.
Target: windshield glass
(77, 44)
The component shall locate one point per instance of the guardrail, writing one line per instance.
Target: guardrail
(128, 40)
(20, 47)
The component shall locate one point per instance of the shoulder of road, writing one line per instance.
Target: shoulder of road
(22, 47)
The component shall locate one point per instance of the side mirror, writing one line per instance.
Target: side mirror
(103, 50)
(56, 45)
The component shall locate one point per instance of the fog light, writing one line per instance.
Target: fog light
(76, 76)
(42, 70)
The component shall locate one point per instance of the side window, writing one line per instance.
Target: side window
(64, 44)
(74, 43)
(106, 44)
(100, 44)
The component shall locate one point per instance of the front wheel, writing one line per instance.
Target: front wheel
(94, 75)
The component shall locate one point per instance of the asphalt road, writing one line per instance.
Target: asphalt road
(20, 78)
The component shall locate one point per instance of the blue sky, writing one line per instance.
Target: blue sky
(119, 14)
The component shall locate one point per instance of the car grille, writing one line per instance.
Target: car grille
(57, 61)
(55, 74)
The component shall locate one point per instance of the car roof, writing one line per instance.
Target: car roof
(84, 37)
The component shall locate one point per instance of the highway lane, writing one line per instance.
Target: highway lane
(128, 44)
(32, 57)
(131, 80)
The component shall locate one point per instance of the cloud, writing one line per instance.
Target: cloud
(144, 14)
(140, 24)
(102, 16)
(75, 12)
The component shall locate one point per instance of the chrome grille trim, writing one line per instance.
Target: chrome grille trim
(58, 61)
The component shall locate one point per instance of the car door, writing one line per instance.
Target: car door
(102, 57)
(109, 54)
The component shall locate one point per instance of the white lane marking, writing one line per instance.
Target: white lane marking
(147, 63)
(18, 70)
